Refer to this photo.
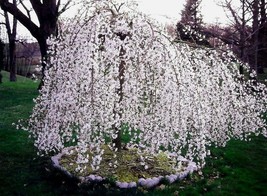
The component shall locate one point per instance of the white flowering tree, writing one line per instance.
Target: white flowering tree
(114, 71)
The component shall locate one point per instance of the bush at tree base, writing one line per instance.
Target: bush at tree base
(115, 67)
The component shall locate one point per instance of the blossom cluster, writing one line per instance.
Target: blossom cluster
(116, 68)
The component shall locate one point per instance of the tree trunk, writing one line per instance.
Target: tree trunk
(255, 37)
(262, 47)
(12, 60)
(117, 141)
(2, 45)
(242, 38)
(12, 33)
(43, 48)
(119, 91)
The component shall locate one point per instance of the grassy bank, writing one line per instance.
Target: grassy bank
(17, 157)
(238, 169)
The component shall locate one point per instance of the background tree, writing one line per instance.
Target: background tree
(2, 45)
(47, 13)
(258, 45)
(255, 35)
(262, 37)
(191, 14)
(248, 31)
(11, 33)
(190, 27)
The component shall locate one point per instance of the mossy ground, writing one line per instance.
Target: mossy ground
(127, 169)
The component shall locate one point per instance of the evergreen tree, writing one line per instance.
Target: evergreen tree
(190, 26)
(191, 15)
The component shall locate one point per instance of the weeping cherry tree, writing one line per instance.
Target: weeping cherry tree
(114, 71)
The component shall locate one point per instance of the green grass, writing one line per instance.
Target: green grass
(238, 169)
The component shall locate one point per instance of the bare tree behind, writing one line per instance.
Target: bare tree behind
(1, 58)
(255, 35)
(11, 33)
(47, 12)
(262, 36)
(250, 24)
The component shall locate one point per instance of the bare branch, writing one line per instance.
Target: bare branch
(8, 27)
(26, 9)
(233, 12)
(65, 7)
(118, 8)
(22, 18)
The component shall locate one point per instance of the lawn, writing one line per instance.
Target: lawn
(238, 169)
